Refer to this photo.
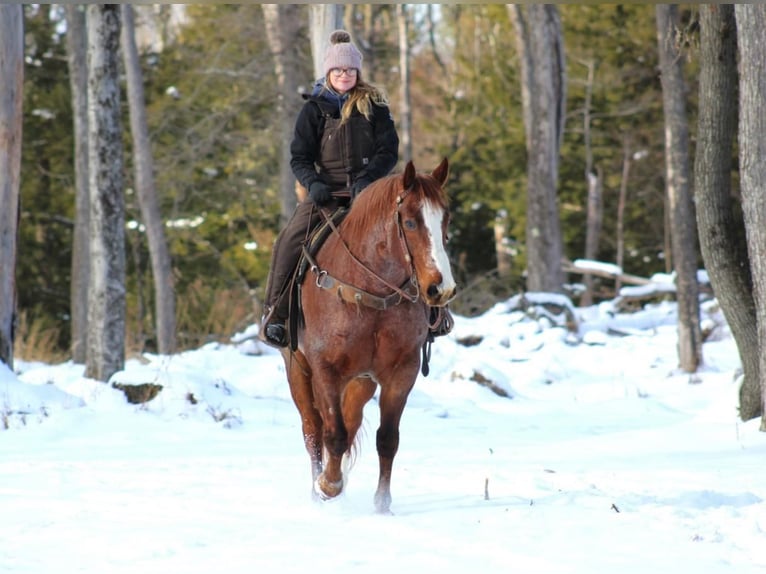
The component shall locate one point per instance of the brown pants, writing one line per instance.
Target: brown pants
(284, 257)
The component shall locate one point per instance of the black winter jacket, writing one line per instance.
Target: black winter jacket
(347, 156)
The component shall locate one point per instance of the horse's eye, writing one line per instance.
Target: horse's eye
(410, 224)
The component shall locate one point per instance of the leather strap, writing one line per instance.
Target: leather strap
(408, 291)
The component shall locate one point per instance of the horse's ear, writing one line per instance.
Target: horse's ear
(408, 179)
(441, 172)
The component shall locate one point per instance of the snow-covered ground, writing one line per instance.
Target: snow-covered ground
(602, 458)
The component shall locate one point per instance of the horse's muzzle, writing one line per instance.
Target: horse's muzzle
(437, 296)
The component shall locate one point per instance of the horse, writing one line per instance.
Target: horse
(366, 320)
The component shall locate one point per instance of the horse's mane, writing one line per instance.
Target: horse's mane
(372, 207)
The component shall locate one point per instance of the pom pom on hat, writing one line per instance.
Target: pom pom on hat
(341, 53)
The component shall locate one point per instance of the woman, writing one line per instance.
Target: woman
(344, 140)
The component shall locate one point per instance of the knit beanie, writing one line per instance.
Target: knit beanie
(341, 53)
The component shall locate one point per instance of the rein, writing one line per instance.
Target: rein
(409, 291)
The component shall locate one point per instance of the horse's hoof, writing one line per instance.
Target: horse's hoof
(383, 503)
(326, 489)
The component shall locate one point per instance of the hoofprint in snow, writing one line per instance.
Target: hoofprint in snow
(529, 447)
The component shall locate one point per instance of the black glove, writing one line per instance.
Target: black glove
(359, 186)
(320, 193)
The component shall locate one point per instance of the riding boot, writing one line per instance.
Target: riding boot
(284, 259)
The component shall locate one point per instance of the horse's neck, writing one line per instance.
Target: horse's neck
(380, 253)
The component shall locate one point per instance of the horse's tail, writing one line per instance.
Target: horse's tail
(354, 449)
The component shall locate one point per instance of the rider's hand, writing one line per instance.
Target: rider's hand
(320, 193)
(359, 186)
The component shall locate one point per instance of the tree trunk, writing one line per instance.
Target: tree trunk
(594, 210)
(724, 251)
(77, 46)
(323, 19)
(501, 249)
(751, 22)
(682, 219)
(621, 203)
(106, 291)
(405, 109)
(282, 22)
(12, 81)
(162, 270)
(540, 46)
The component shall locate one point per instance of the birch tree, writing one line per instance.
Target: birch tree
(77, 46)
(106, 289)
(540, 46)
(143, 165)
(12, 81)
(751, 23)
(681, 216)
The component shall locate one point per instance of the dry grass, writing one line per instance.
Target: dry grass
(205, 315)
(37, 340)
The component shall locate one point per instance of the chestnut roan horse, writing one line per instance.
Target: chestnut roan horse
(366, 320)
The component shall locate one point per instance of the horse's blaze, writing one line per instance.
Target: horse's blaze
(440, 284)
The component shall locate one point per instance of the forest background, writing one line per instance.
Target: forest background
(211, 96)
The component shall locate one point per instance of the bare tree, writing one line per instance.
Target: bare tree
(681, 209)
(282, 25)
(77, 46)
(540, 46)
(162, 271)
(751, 22)
(405, 108)
(12, 80)
(106, 289)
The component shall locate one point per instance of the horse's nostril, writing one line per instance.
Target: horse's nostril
(433, 290)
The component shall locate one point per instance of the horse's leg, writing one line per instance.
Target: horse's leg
(393, 397)
(329, 483)
(299, 378)
(356, 395)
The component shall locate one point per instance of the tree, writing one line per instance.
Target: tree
(682, 219)
(751, 22)
(594, 185)
(162, 271)
(12, 79)
(540, 46)
(106, 289)
(323, 19)
(405, 109)
(724, 250)
(77, 46)
(282, 24)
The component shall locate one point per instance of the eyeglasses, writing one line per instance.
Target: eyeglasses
(338, 72)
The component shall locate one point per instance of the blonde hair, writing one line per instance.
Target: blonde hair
(361, 97)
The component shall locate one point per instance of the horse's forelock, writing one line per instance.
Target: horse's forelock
(432, 191)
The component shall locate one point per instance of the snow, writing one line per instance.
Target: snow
(591, 265)
(603, 457)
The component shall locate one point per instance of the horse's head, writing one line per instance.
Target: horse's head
(423, 214)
